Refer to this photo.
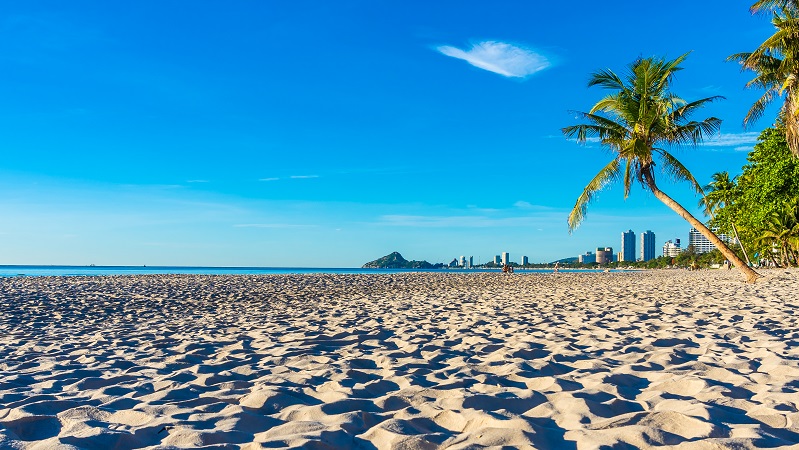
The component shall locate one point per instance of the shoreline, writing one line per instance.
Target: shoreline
(414, 360)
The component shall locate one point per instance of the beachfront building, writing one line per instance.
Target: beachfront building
(647, 245)
(588, 258)
(505, 258)
(471, 262)
(627, 246)
(463, 261)
(497, 260)
(701, 244)
(525, 261)
(604, 255)
(672, 249)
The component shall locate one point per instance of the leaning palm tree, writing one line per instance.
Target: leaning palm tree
(718, 194)
(635, 122)
(776, 66)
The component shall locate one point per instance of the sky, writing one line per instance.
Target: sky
(328, 134)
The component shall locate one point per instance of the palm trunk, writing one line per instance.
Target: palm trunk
(791, 118)
(751, 275)
(735, 232)
(774, 260)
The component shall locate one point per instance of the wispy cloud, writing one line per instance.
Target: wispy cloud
(744, 148)
(419, 221)
(196, 181)
(735, 140)
(272, 225)
(523, 204)
(293, 177)
(710, 89)
(500, 57)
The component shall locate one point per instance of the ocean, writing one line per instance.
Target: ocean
(60, 271)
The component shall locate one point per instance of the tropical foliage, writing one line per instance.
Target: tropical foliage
(776, 66)
(719, 193)
(637, 122)
(781, 235)
(758, 200)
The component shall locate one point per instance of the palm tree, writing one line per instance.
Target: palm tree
(776, 66)
(718, 194)
(782, 232)
(635, 122)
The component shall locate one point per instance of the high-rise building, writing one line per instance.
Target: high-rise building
(647, 245)
(627, 246)
(471, 262)
(700, 243)
(463, 261)
(672, 249)
(497, 260)
(604, 255)
(588, 258)
(525, 261)
(505, 258)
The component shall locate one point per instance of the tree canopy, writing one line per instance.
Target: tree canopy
(768, 182)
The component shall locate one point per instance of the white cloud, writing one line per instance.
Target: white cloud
(418, 221)
(744, 148)
(523, 204)
(499, 57)
(196, 181)
(268, 179)
(303, 177)
(271, 225)
(736, 140)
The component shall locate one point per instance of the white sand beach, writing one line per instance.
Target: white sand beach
(657, 359)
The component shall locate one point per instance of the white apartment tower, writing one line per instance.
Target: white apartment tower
(700, 243)
(672, 249)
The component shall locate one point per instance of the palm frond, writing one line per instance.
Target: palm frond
(608, 174)
(600, 127)
(764, 6)
(758, 108)
(693, 133)
(686, 110)
(607, 79)
(627, 177)
(674, 168)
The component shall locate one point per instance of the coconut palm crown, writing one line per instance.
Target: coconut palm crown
(776, 66)
(637, 121)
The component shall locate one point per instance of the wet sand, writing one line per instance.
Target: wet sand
(695, 360)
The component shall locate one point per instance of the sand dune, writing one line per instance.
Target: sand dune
(673, 359)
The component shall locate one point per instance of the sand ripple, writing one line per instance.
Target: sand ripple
(405, 361)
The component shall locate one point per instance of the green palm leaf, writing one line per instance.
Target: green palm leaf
(608, 174)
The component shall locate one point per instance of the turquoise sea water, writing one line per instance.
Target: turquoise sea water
(40, 271)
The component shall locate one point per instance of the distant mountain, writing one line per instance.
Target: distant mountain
(396, 261)
(571, 260)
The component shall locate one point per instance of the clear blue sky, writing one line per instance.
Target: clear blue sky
(318, 133)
